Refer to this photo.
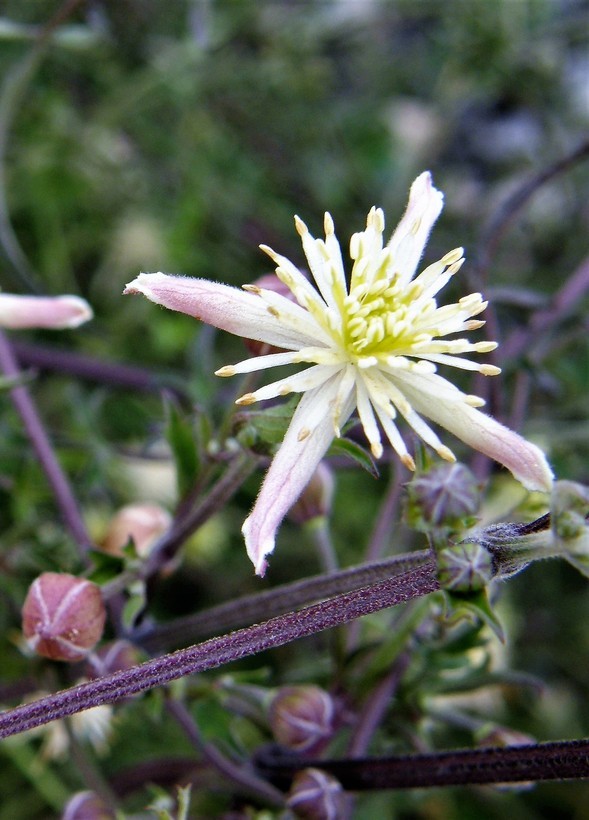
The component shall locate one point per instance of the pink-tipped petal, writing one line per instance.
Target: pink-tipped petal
(231, 309)
(410, 237)
(55, 312)
(525, 461)
(304, 445)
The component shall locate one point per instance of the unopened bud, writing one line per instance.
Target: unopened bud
(87, 806)
(63, 616)
(144, 523)
(465, 567)
(444, 495)
(316, 498)
(302, 717)
(316, 795)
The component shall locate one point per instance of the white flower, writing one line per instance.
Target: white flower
(373, 345)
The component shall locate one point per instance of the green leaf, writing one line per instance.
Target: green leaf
(359, 454)
(106, 566)
(180, 434)
(134, 605)
(477, 604)
(261, 430)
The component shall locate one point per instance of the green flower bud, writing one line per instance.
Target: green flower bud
(444, 495)
(464, 567)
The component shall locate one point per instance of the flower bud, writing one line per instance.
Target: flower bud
(444, 494)
(87, 806)
(465, 567)
(316, 498)
(56, 312)
(144, 523)
(315, 795)
(302, 717)
(63, 616)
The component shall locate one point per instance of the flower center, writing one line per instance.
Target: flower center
(378, 315)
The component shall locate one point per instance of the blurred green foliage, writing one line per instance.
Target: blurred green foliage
(177, 136)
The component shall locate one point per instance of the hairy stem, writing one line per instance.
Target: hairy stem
(272, 602)
(515, 764)
(225, 649)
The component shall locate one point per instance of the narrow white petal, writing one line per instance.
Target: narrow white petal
(453, 361)
(367, 418)
(409, 239)
(304, 292)
(307, 439)
(481, 432)
(393, 435)
(295, 316)
(342, 408)
(307, 379)
(318, 264)
(222, 306)
(335, 254)
(259, 363)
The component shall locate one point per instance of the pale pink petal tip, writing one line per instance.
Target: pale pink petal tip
(53, 312)
(256, 552)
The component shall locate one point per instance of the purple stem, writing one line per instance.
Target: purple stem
(241, 776)
(39, 439)
(514, 764)
(272, 602)
(376, 706)
(93, 369)
(222, 650)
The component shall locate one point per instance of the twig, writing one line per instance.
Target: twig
(243, 777)
(219, 651)
(272, 602)
(504, 215)
(93, 369)
(515, 764)
(39, 439)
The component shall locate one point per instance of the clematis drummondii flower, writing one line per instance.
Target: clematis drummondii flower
(373, 346)
(56, 312)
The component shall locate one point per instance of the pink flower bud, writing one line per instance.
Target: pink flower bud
(315, 795)
(56, 312)
(87, 806)
(144, 523)
(302, 717)
(63, 616)
(316, 498)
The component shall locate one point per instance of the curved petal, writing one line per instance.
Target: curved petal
(231, 309)
(409, 239)
(526, 462)
(306, 441)
(56, 312)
